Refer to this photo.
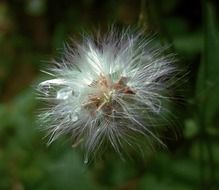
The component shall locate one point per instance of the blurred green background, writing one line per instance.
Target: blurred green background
(33, 31)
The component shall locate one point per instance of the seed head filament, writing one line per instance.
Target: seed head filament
(102, 100)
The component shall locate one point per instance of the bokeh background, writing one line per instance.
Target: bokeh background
(33, 31)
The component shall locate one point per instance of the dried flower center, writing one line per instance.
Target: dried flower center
(102, 99)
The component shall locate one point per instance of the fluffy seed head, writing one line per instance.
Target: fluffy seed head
(108, 90)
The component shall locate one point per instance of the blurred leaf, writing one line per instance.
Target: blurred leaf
(208, 81)
(153, 183)
(191, 128)
(69, 173)
(185, 171)
(168, 173)
(176, 26)
(189, 44)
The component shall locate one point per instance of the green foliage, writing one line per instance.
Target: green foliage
(31, 31)
(208, 91)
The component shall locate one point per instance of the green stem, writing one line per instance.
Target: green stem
(206, 181)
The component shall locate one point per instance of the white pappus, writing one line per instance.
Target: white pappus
(108, 90)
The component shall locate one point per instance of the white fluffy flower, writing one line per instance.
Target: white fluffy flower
(108, 90)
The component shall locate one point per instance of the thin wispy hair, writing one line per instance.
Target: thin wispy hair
(109, 90)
